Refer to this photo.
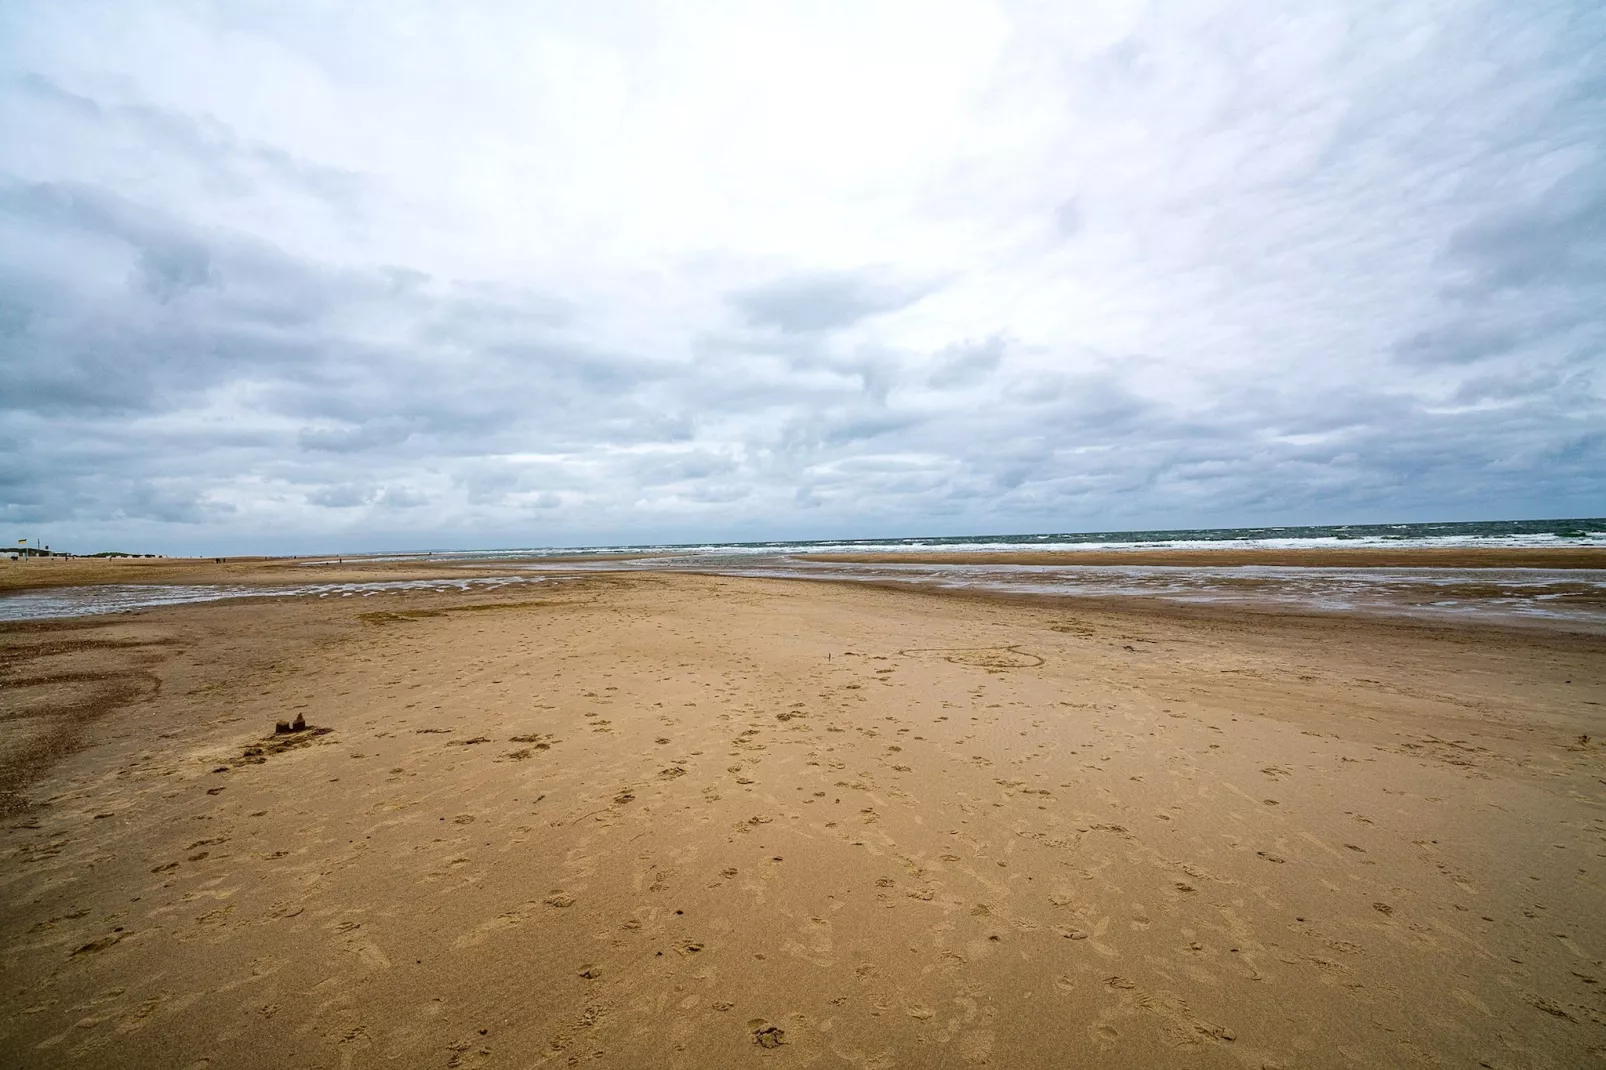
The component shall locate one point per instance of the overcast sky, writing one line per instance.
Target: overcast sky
(306, 277)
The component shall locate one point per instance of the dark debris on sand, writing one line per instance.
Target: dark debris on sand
(285, 737)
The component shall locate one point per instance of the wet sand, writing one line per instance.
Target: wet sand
(84, 571)
(76, 572)
(1582, 557)
(681, 820)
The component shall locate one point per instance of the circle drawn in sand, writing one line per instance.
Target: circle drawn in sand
(982, 657)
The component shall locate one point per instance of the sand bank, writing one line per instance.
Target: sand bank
(677, 820)
(85, 571)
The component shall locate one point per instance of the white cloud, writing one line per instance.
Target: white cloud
(295, 275)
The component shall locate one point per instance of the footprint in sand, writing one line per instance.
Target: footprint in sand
(994, 657)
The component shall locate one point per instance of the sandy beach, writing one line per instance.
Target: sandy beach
(880, 536)
(647, 820)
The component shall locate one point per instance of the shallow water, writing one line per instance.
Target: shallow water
(53, 602)
(1566, 598)
(1541, 594)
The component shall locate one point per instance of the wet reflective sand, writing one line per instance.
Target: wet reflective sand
(1569, 598)
(54, 602)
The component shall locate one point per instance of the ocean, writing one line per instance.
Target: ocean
(1565, 598)
(1587, 531)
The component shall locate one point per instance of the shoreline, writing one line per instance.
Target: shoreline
(256, 571)
(1368, 557)
(1225, 612)
(1506, 590)
(287, 571)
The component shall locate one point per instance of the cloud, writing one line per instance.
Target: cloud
(376, 433)
(197, 139)
(1456, 343)
(966, 363)
(821, 301)
(1554, 236)
(342, 496)
(1011, 267)
(401, 497)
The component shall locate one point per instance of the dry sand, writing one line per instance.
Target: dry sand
(675, 820)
